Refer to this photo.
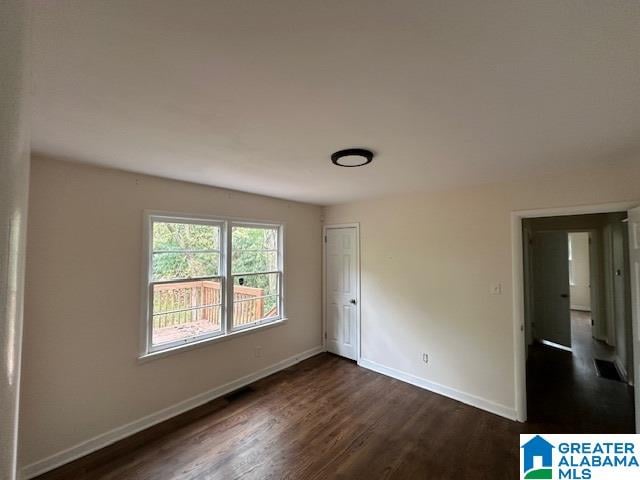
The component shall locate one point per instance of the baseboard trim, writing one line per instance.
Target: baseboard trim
(622, 370)
(467, 398)
(103, 440)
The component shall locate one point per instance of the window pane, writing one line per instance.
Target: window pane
(255, 238)
(250, 261)
(169, 297)
(255, 297)
(170, 266)
(182, 326)
(185, 236)
(252, 310)
(182, 310)
(256, 285)
(255, 249)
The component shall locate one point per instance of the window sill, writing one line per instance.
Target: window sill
(208, 341)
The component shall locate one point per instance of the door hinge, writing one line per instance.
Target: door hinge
(325, 239)
(325, 335)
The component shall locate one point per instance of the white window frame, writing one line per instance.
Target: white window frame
(279, 271)
(226, 224)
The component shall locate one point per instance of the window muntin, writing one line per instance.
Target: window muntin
(195, 271)
(256, 274)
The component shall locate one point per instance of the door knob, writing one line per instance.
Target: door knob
(353, 301)
(564, 295)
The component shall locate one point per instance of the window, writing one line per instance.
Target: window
(197, 267)
(256, 274)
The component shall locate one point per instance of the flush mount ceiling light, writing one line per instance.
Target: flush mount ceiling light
(352, 157)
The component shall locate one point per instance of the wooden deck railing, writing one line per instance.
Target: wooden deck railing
(178, 299)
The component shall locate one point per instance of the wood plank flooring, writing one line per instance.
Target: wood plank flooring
(565, 394)
(324, 418)
(327, 418)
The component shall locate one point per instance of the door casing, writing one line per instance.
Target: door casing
(324, 285)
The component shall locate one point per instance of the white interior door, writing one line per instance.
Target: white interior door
(634, 260)
(552, 314)
(341, 257)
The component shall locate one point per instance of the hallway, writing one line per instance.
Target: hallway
(564, 392)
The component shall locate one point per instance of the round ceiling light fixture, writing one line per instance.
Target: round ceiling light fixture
(352, 157)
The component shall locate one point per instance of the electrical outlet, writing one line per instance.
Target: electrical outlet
(425, 357)
(258, 352)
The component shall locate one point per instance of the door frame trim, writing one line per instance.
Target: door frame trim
(517, 262)
(326, 227)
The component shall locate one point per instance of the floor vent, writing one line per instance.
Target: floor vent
(607, 369)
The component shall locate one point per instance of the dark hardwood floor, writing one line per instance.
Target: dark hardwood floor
(325, 418)
(565, 394)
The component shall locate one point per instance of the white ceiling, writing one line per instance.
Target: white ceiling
(255, 95)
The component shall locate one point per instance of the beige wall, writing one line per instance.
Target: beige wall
(427, 264)
(82, 310)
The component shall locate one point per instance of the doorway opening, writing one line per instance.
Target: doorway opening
(578, 323)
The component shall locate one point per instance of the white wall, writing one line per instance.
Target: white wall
(82, 308)
(14, 168)
(427, 264)
(580, 290)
